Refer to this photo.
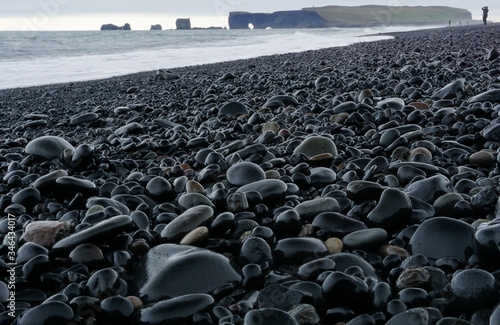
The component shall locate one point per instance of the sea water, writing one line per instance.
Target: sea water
(48, 57)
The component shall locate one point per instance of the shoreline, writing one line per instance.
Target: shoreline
(348, 183)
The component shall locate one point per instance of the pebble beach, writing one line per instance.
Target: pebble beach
(350, 185)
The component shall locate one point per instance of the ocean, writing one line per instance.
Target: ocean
(48, 57)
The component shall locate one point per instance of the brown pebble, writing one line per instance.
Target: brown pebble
(194, 187)
(387, 250)
(136, 302)
(307, 230)
(272, 174)
(423, 151)
(419, 105)
(195, 237)
(413, 277)
(334, 245)
(482, 158)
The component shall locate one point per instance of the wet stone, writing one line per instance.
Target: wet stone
(487, 238)
(366, 239)
(99, 232)
(443, 237)
(316, 145)
(308, 210)
(340, 289)
(186, 222)
(305, 314)
(48, 147)
(105, 283)
(269, 316)
(28, 197)
(298, 250)
(474, 289)
(245, 173)
(273, 191)
(53, 313)
(393, 211)
(130, 128)
(233, 108)
(175, 311)
(171, 270)
(428, 190)
(333, 224)
(310, 270)
(255, 250)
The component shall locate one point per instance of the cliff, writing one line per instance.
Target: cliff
(156, 27)
(343, 16)
(114, 27)
(279, 19)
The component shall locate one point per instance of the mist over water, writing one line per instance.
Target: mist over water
(37, 58)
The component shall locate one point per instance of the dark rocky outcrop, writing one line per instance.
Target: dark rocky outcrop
(156, 27)
(347, 16)
(114, 27)
(279, 19)
(183, 23)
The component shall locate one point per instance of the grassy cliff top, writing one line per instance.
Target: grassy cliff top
(344, 16)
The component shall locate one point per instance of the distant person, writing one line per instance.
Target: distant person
(449, 22)
(485, 14)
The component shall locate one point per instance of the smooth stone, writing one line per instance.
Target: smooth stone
(473, 289)
(334, 245)
(305, 314)
(196, 236)
(366, 239)
(233, 108)
(281, 99)
(176, 311)
(495, 315)
(29, 250)
(49, 313)
(105, 283)
(255, 250)
(270, 126)
(343, 261)
(48, 182)
(117, 308)
(171, 270)
(445, 203)
(99, 232)
(269, 316)
(482, 159)
(364, 190)
(486, 240)
(273, 191)
(69, 186)
(334, 224)
(288, 298)
(298, 250)
(105, 202)
(316, 145)
(488, 96)
(340, 289)
(394, 103)
(159, 189)
(48, 147)
(186, 222)
(87, 254)
(322, 176)
(133, 127)
(412, 318)
(346, 107)
(310, 270)
(492, 132)
(244, 173)
(308, 210)
(452, 90)
(28, 197)
(392, 212)
(443, 237)
(194, 187)
(84, 118)
(454, 321)
(46, 233)
(191, 200)
(428, 190)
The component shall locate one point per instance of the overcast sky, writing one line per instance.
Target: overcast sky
(37, 11)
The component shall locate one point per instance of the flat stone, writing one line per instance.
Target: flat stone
(443, 237)
(48, 147)
(171, 270)
(316, 145)
(186, 222)
(298, 250)
(273, 191)
(244, 173)
(308, 210)
(269, 316)
(101, 231)
(366, 239)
